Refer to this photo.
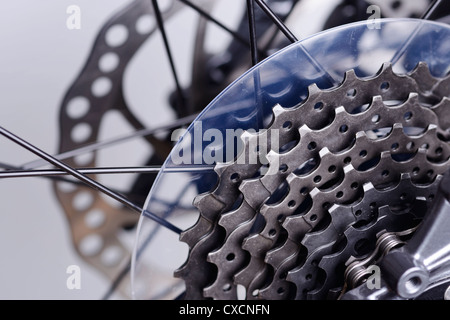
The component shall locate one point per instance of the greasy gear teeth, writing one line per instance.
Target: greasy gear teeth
(360, 156)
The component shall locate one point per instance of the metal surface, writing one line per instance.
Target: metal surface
(256, 227)
(420, 269)
(426, 258)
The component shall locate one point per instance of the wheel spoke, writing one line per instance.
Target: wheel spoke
(431, 9)
(8, 166)
(206, 15)
(56, 172)
(277, 21)
(111, 142)
(88, 181)
(18, 173)
(160, 22)
(252, 31)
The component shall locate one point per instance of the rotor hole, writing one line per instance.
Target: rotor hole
(83, 200)
(317, 179)
(84, 159)
(313, 217)
(425, 146)
(283, 168)
(430, 173)
(230, 257)
(66, 187)
(385, 173)
(280, 290)
(116, 35)
(384, 86)
(95, 218)
(280, 218)
(81, 132)
(332, 169)
(112, 256)
(108, 62)
(363, 153)
(110, 201)
(403, 196)
(358, 213)
(308, 276)
(396, 4)
(272, 232)
(291, 204)
(77, 107)
(165, 5)
(145, 24)
(318, 106)
(91, 245)
(354, 185)
(101, 87)
(438, 151)
(416, 171)
(347, 160)
(339, 194)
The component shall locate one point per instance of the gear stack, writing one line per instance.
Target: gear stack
(354, 160)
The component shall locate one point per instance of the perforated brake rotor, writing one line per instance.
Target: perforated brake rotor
(285, 229)
(95, 223)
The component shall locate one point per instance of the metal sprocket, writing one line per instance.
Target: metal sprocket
(256, 227)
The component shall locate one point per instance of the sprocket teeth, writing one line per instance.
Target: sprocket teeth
(421, 73)
(208, 206)
(344, 142)
(441, 109)
(254, 199)
(278, 110)
(313, 91)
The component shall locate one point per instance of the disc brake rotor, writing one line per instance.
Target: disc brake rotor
(363, 155)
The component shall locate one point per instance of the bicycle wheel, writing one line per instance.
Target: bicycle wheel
(95, 212)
